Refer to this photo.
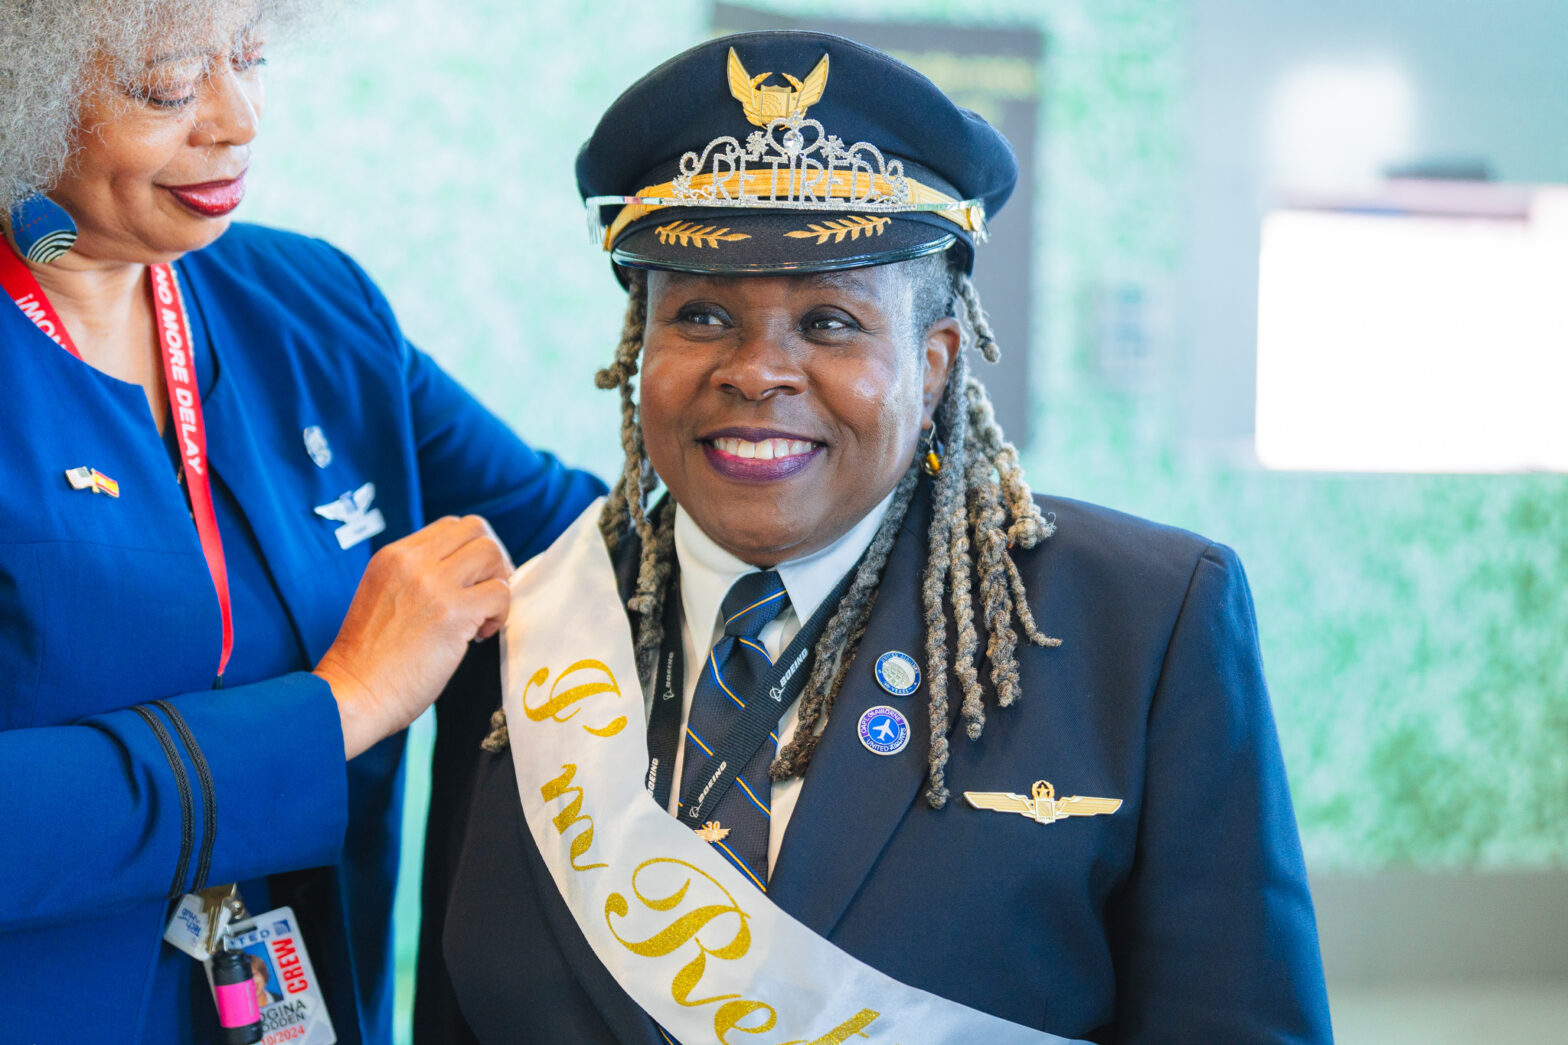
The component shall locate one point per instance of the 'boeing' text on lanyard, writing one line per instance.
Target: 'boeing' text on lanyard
(778, 690)
(179, 373)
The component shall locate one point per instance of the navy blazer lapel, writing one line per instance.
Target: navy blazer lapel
(852, 800)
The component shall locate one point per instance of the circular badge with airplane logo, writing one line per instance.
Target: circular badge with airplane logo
(884, 730)
(898, 673)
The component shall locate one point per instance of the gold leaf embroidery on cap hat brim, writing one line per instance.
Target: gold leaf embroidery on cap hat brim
(853, 227)
(690, 234)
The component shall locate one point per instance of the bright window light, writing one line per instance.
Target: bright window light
(1339, 124)
(1414, 343)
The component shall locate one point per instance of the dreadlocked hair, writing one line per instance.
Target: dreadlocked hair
(981, 508)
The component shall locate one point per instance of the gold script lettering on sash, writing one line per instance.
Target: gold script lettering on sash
(732, 1012)
(571, 814)
(850, 1028)
(602, 681)
(691, 916)
(685, 929)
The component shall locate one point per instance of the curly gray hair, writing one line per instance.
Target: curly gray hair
(52, 50)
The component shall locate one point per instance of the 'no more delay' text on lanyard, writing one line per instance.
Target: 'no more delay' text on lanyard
(179, 374)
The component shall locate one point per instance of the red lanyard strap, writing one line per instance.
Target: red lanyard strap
(23, 289)
(179, 373)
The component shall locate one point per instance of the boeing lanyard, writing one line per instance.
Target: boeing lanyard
(779, 688)
(179, 374)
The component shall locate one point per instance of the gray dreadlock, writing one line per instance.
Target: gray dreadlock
(981, 508)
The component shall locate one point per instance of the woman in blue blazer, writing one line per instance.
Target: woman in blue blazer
(161, 727)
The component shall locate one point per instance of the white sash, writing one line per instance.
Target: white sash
(691, 940)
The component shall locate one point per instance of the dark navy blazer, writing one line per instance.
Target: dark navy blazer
(1182, 917)
(106, 604)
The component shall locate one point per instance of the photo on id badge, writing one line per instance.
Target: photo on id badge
(263, 976)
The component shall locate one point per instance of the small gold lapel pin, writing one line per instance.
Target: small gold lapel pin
(1044, 807)
(712, 831)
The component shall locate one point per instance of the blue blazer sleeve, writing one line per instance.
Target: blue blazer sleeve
(470, 462)
(1214, 932)
(93, 814)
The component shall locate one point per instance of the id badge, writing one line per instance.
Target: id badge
(293, 1011)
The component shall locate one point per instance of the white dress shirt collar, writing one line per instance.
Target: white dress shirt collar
(707, 570)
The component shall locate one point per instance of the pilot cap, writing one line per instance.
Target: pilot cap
(779, 152)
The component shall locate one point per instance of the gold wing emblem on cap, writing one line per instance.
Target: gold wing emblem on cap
(1043, 807)
(766, 104)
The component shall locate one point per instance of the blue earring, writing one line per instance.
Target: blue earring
(41, 229)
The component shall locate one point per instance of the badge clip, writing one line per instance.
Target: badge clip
(201, 920)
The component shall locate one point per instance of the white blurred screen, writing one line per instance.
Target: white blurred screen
(1397, 343)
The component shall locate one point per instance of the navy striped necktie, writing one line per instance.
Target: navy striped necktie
(736, 667)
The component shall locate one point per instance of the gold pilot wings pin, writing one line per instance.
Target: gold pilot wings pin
(1043, 806)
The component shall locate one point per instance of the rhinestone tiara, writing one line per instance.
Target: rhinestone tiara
(791, 163)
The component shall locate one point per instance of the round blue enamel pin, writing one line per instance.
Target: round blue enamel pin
(898, 673)
(884, 730)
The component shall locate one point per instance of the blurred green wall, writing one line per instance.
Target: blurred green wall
(1413, 627)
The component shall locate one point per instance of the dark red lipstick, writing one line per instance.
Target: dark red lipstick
(211, 199)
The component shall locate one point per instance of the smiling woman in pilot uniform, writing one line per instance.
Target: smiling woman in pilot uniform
(931, 759)
(223, 467)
